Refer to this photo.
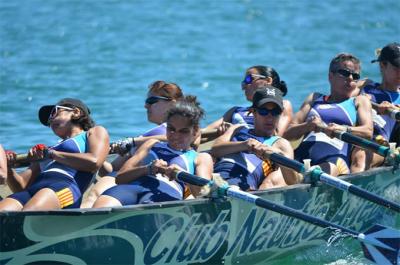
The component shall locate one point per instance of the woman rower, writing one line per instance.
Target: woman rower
(66, 169)
(338, 111)
(160, 98)
(387, 96)
(256, 75)
(239, 151)
(144, 178)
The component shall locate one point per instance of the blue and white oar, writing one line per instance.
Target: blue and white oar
(316, 174)
(380, 244)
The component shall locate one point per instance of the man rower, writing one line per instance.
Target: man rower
(321, 115)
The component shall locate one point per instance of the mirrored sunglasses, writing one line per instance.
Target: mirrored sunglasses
(248, 79)
(154, 99)
(56, 109)
(264, 112)
(346, 73)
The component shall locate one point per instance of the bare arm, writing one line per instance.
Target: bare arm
(299, 125)
(204, 169)
(3, 166)
(285, 118)
(91, 161)
(364, 127)
(282, 147)
(20, 181)
(223, 145)
(132, 169)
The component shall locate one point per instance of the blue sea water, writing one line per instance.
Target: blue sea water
(108, 52)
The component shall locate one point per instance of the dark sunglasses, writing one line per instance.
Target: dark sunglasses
(154, 99)
(346, 73)
(264, 112)
(248, 79)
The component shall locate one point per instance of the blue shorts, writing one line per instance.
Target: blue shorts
(66, 189)
(233, 174)
(143, 190)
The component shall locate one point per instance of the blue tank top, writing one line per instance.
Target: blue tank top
(76, 144)
(246, 160)
(242, 115)
(159, 130)
(383, 124)
(184, 159)
(318, 146)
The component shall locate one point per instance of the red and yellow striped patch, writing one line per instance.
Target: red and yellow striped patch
(65, 197)
(267, 167)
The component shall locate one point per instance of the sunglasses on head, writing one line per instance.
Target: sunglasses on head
(346, 73)
(56, 109)
(154, 99)
(264, 112)
(248, 79)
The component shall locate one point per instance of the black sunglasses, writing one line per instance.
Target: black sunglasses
(264, 112)
(154, 99)
(248, 79)
(346, 73)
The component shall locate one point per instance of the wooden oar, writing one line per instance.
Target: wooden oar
(380, 244)
(316, 174)
(393, 113)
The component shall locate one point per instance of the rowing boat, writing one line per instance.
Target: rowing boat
(196, 231)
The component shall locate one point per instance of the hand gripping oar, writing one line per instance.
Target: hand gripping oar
(393, 113)
(380, 244)
(391, 156)
(316, 174)
(123, 146)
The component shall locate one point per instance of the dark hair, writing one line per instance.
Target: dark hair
(84, 120)
(164, 89)
(189, 108)
(270, 72)
(342, 57)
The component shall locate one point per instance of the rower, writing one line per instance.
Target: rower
(161, 97)
(60, 174)
(255, 76)
(144, 177)
(386, 95)
(337, 111)
(240, 149)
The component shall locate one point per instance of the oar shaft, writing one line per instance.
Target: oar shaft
(263, 203)
(359, 141)
(334, 181)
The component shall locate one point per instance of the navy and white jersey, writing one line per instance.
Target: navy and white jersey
(238, 168)
(148, 189)
(243, 115)
(383, 124)
(183, 159)
(76, 144)
(318, 146)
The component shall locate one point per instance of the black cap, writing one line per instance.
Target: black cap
(390, 53)
(44, 111)
(267, 94)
